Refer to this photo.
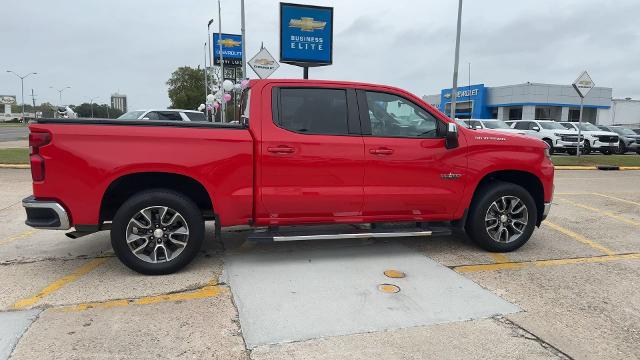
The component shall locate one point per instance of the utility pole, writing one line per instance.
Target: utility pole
(244, 41)
(454, 90)
(22, 77)
(33, 101)
(206, 81)
(206, 72)
(223, 107)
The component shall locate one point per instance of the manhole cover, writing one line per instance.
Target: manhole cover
(388, 288)
(395, 274)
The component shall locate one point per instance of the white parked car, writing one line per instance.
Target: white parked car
(553, 133)
(595, 139)
(164, 115)
(491, 124)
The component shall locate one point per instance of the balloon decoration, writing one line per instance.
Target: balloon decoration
(210, 98)
(227, 97)
(227, 85)
(201, 107)
(244, 83)
(216, 105)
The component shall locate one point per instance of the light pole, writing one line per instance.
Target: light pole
(91, 103)
(60, 93)
(454, 90)
(222, 114)
(244, 55)
(22, 89)
(206, 73)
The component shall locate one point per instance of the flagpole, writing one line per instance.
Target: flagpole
(222, 115)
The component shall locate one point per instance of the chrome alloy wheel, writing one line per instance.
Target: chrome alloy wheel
(157, 234)
(506, 219)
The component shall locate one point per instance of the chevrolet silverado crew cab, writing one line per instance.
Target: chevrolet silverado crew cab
(353, 160)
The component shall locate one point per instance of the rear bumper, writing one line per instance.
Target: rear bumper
(45, 214)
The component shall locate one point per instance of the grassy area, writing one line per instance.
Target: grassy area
(11, 125)
(14, 156)
(592, 160)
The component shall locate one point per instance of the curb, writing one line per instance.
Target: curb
(598, 167)
(15, 166)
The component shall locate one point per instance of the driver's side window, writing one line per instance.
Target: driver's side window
(394, 116)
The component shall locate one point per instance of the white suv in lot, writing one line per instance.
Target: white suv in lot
(555, 135)
(595, 139)
(164, 115)
(489, 124)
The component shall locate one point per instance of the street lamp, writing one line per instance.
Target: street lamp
(454, 90)
(91, 103)
(22, 89)
(60, 92)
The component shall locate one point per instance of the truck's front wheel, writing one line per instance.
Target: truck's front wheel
(157, 232)
(502, 217)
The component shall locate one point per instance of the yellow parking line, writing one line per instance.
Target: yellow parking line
(56, 285)
(22, 235)
(615, 198)
(204, 292)
(499, 258)
(579, 238)
(603, 212)
(544, 263)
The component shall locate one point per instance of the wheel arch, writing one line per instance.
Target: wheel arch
(123, 187)
(527, 180)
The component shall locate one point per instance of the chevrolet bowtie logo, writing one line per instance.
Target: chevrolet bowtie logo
(229, 43)
(264, 62)
(307, 24)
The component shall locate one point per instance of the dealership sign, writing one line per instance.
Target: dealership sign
(306, 35)
(231, 49)
(583, 84)
(264, 64)
(7, 99)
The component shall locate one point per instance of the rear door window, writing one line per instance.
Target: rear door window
(196, 116)
(522, 125)
(314, 111)
(169, 116)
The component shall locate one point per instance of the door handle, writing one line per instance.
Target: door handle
(381, 151)
(282, 149)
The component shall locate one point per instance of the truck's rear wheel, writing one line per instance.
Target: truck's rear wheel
(157, 232)
(502, 217)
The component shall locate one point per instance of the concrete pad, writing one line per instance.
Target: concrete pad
(198, 329)
(16, 185)
(589, 311)
(479, 339)
(12, 325)
(21, 281)
(113, 280)
(304, 294)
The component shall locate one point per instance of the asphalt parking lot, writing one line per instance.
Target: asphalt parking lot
(571, 292)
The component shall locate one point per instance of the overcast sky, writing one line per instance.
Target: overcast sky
(132, 46)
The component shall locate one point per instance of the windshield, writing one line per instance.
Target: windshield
(131, 115)
(551, 125)
(588, 127)
(496, 124)
(623, 131)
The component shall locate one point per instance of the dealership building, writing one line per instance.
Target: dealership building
(537, 101)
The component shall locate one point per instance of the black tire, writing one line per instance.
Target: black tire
(485, 196)
(151, 198)
(587, 148)
(550, 144)
(606, 152)
(622, 148)
(572, 152)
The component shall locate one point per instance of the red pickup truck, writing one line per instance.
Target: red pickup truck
(305, 153)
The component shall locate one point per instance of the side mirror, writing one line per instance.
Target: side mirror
(451, 137)
(535, 128)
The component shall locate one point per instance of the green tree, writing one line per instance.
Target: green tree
(100, 111)
(186, 88)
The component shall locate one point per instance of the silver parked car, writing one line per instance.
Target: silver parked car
(164, 115)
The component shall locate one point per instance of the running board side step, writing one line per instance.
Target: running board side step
(299, 235)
